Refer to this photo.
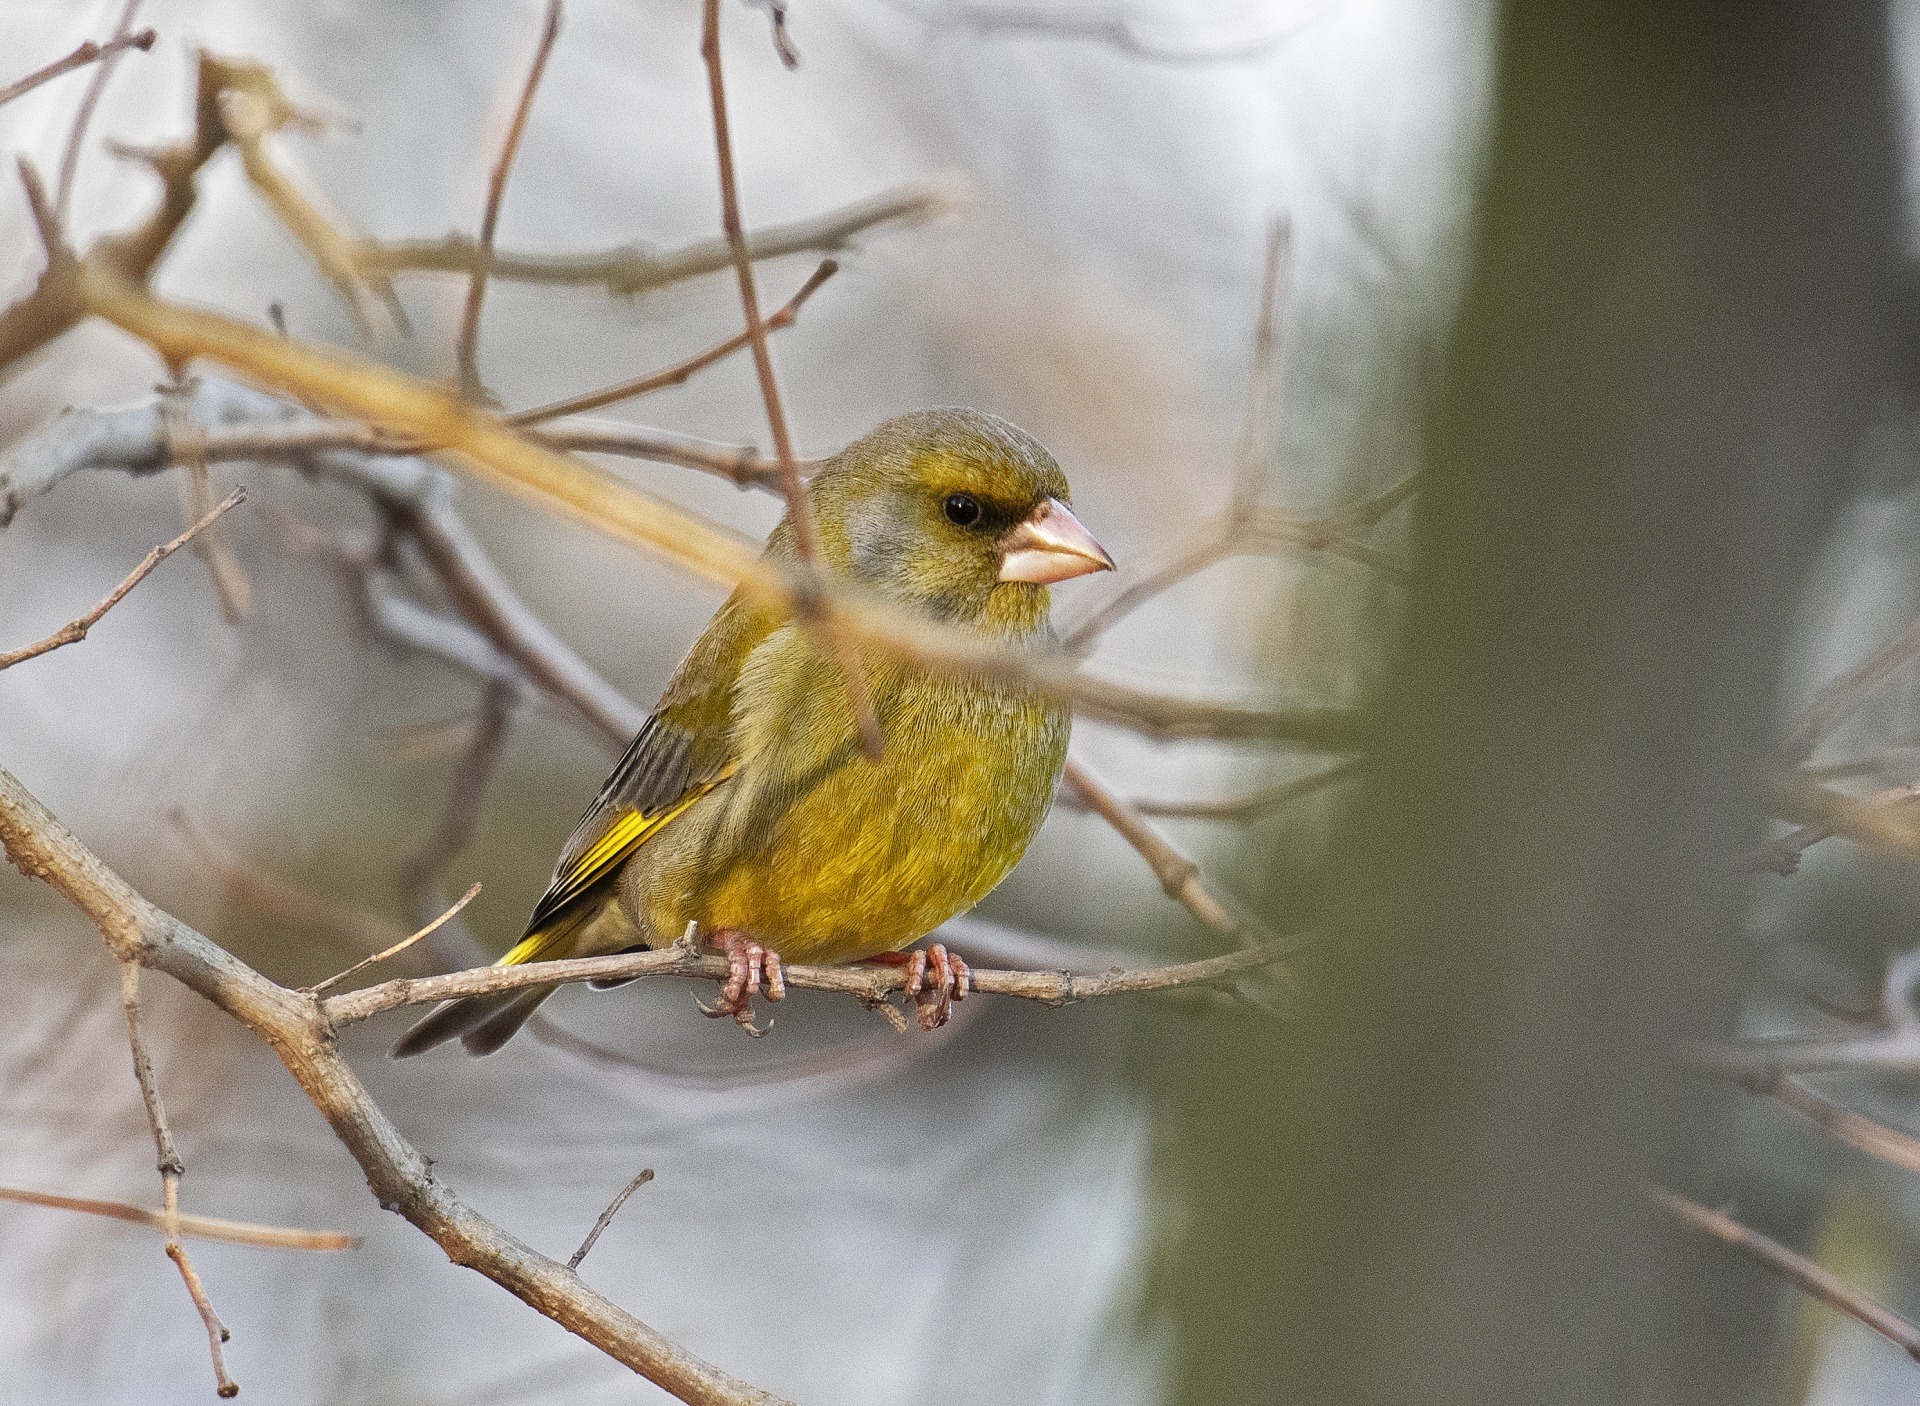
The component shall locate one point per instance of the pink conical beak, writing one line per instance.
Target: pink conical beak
(1050, 546)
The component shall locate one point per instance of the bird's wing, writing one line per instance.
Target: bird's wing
(682, 752)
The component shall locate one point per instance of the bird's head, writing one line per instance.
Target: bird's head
(955, 511)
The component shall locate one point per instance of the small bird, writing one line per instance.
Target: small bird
(746, 804)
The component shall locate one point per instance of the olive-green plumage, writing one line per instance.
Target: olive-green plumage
(746, 802)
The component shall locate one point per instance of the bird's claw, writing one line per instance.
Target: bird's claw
(750, 968)
(934, 999)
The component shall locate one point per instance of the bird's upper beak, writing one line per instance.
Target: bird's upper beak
(1050, 545)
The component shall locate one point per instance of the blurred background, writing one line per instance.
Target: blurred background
(1627, 284)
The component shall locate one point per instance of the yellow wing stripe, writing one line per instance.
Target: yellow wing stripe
(623, 837)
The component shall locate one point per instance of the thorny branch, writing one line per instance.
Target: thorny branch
(75, 631)
(1797, 1269)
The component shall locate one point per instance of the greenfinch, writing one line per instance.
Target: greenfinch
(746, 804)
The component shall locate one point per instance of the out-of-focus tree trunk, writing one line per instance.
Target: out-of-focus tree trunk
(1681, 308)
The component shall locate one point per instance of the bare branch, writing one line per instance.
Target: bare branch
(110, 56)
(1179, 876)
(75, 631)
(171, 1170)
(402, 945)
(808, 607)
(1101, 27)
(1257, 803)
(632, 270)
(1856, 1131)
(575, 489)
(606, 1216)
(1836, 700)
(1796, 1269)
(296, 1028)
(469, 344)
(678, 373)
(864, 983)
(79, 58)
(185, 446)
(233, 1232)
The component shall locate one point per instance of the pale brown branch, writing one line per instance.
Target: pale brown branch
(1263, 384)
(478, 442)
(110, 56)
(807, 588)
(171, 1170)
(79, 58)
(232, 1232)
(402, 945)
(469, 344)
(1256, 803)
(628, 271)
(1053, 988)
(1836, 700)
(1813, 1279)
(296, 1028)
(1842, 1123)
(679, 372)
(185, 441)
(75, 631)
(606, 1216)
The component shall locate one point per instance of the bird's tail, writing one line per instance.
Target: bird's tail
(485, 1023)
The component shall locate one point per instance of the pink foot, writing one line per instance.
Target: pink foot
(934, 998)
(748, 964)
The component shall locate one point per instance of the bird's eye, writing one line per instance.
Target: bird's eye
(963, 509)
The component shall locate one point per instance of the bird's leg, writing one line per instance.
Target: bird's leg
(934, 998)
(748, 965)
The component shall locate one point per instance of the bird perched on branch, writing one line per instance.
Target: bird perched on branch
(746, 805)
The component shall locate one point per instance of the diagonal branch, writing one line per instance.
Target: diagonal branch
(296, 1028)
(469, 344)
(87, 53)
(1813, 1279)
(75, 631)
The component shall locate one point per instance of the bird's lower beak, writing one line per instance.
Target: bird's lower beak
(1051, 545)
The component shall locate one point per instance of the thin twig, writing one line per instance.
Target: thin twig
(469, 344)
(1837, 699)
(1855, 1130)
(233, 1232)
(632, 270)
(185, 445)
(75, 631)
(809, 609)
(1256, 803)
(1796, 1269)
(1250, 457)
(460, 815)
(171, 1170)
(678, 373)
(79, 58)
(110, 56)
(606, 1216)
(394, 950)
